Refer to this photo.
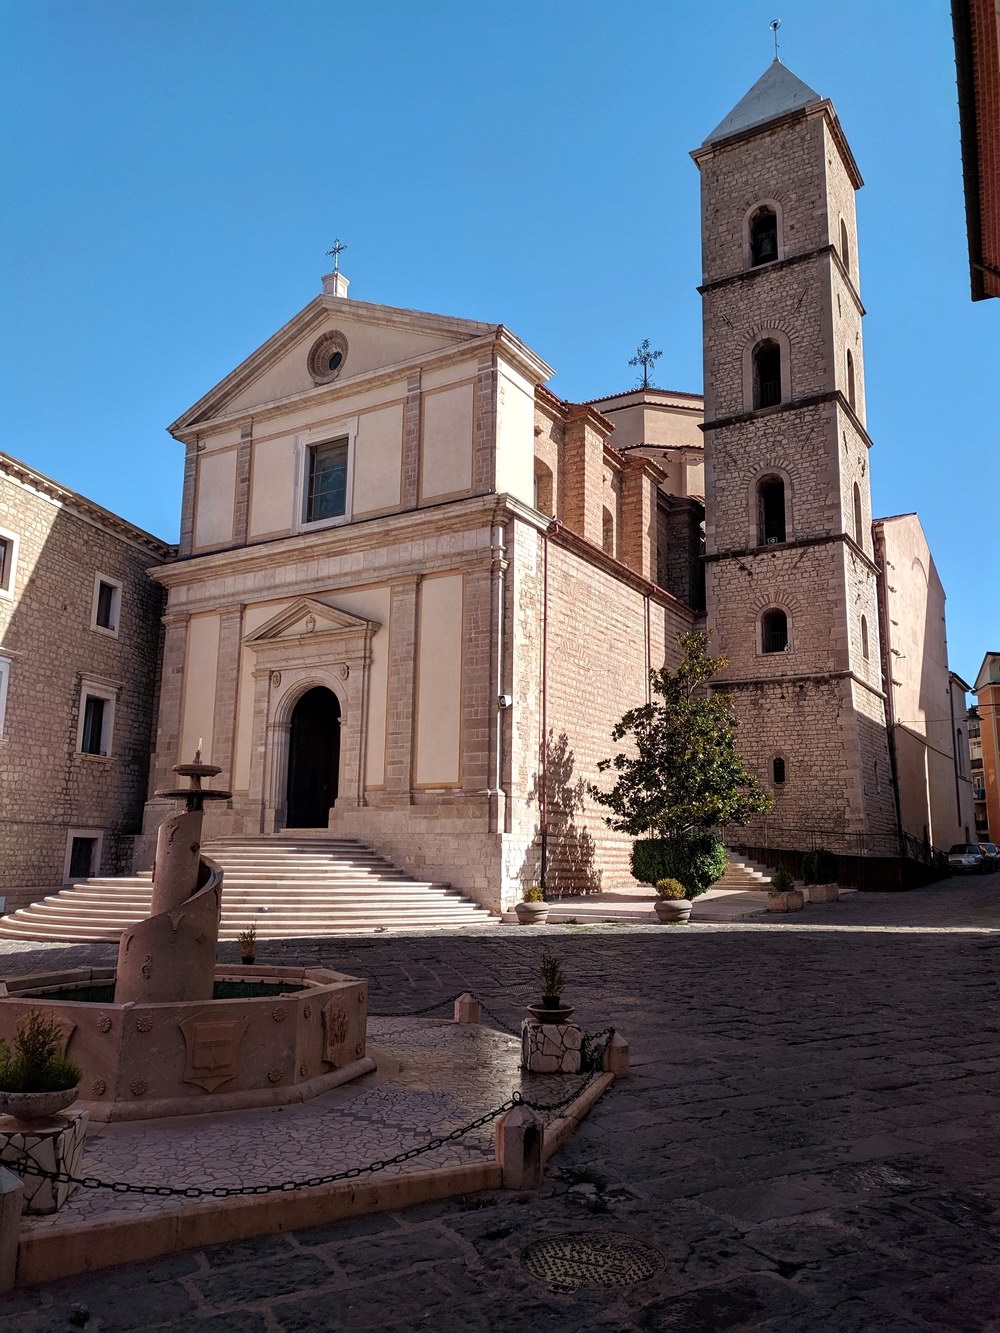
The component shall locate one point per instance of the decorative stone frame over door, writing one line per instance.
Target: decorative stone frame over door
(308, 644)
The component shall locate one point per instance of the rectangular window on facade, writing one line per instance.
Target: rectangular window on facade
(8, 562)
(97, 717)
(4, 677)
(107, 604)
(326, 488)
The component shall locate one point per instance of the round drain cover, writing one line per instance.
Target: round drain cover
(592, 1259)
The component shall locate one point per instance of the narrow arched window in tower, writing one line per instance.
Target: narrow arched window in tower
(766, 374)
(763, 237)
(778, 771)
(859, 519)
(864, 637)
(774, 631)
(845, 249)
(770, 511)
(850, 380)
(608, 532)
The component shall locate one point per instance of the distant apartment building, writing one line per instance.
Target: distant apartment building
(987, 688)
(973, 726)
(79, 644)
(977, 58)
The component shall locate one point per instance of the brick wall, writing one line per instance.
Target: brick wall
(47, 787)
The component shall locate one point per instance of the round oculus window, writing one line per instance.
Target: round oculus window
(326, 357)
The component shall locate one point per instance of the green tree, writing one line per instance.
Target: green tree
(684, 772)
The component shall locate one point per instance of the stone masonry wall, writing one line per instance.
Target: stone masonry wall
(46, 787)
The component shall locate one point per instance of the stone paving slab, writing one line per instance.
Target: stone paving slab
(438, 1076)
(847, 1078)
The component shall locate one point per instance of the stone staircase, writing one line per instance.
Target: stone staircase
(286, 886)
(746, 875)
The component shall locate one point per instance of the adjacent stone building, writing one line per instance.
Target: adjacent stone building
(79, 648)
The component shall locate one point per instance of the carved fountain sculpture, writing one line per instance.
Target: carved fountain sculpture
(171, 1031)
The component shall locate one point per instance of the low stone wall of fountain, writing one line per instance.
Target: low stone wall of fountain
(169, 1031)
(269, 1036)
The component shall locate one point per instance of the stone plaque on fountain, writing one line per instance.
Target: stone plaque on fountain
(213, 1049)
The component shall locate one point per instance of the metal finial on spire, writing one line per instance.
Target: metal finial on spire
(774, 25)
(646, 358)
(338, 249)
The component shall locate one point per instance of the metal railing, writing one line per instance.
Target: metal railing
(768, 393)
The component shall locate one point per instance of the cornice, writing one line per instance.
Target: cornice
(793, 405)
(572, 541)
(791, 261)
(798, 678)
(823, 107)
(794, 543)
(362, 535)
(30, 479)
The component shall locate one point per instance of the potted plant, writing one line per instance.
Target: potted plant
(533, 910)
(819, 870)
(248, 944)
(36, 1079)
(783, 896)
(672, 906)
(551, 1009)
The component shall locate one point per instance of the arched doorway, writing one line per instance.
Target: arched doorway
(313, 759)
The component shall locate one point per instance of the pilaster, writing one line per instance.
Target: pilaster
(401, 703)
(241, 511)
(409, 486)
(637, 540)
(226, 686)
(484, 426)
(584, 475)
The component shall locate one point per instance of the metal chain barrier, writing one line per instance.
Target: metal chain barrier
(25, 1166)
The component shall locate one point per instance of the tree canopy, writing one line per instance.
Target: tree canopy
(684, 771)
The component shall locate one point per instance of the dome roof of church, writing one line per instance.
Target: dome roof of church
(775, 93)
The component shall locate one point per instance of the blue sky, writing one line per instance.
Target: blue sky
(173, 171)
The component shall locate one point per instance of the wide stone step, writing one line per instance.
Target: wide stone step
(283, 888)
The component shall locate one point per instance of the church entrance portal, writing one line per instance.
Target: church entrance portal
(313, 759)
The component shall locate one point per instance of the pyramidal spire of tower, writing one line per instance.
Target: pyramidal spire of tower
(775, 93)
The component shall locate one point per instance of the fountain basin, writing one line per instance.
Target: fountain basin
(273, 1036)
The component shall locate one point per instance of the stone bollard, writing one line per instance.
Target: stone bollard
(616, 1056)
(519, 1149)
(11, 1190)
(468, 1009)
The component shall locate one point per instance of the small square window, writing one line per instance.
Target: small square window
(326, 493)
(84, 847)
(107, 604)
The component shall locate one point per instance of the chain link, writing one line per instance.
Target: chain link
(25, 1166)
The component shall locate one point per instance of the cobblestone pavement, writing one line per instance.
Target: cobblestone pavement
(808, 1137)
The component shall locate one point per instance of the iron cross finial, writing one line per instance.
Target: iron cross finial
(774, 25)
(645, 358)
(338, 249)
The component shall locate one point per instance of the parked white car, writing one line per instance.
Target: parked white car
(966, 858)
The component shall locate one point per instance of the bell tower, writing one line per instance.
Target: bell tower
(791, 576)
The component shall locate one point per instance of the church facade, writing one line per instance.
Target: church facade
(415, 589)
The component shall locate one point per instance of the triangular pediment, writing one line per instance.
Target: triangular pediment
(375, 337)
(307, 618)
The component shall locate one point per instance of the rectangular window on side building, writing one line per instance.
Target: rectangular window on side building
(107, 604)
(326, 489)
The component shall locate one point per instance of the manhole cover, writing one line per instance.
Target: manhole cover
(592, 1259)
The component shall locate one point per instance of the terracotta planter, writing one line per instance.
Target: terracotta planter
(823, 893)
(791, 900)
(673, 911)
(547, 1012)
(27, 1107)
(532, 914)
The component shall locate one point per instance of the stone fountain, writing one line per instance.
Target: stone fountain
(172, 1032)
